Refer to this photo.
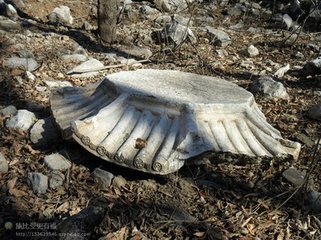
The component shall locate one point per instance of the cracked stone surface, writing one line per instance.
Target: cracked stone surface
(154, 120)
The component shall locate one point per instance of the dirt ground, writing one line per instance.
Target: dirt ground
(225, 197)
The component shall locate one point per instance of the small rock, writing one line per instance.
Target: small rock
(9, 25)
(28, 64)
(299, 55)
(61, 15)
(44, 133)
(25, 54)
(313, 67)
(57, 84)
(103, 178)
(147, 10)
(315, 112)
(269, 88)
(162, 5)
(38, 182)
(11, 12)
(56, 161)
(74, 58)
(287, 21)
(136, 51)
(314, 199)
(163, 20)
(56, 179)
(119, 182)
(86, 69)
(30, 76)
(218, 37)
(247, 64)
(294, 176)
(87, 26)
(252, 51)
(8, 111)
(174, 34)
(4, 166)
(22, 120)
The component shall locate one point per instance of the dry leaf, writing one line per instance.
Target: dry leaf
(17, 193)
(199, 234)
(140, 143)
(119, 235)
(63, 207)
(11, 183)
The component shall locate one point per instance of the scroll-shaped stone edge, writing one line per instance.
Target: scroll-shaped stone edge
(244, 132)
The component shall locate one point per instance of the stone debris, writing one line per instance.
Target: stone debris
(281, 71)
(38, 182)
(163, 5)
(9, 25)
(8, 111)
(44, 133)
(56, 161)
(56, 179)
(23, 120)
(315, 112)
(175, 34)
(269, 88)
(76, 57)
(4, 166)
(252, 51)
(294, 176)
(57, 84)
(218, 37)
(61, 15)
(86, 69)
(29, 64)
(103, 178)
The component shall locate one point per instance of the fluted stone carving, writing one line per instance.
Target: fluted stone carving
(154, 120)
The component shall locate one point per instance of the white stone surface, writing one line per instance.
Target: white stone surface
(154, 120)
(61, 14)
(56, 161)
(22, 120)
(269, 88)
(38, 182)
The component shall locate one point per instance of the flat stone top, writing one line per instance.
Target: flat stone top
(180, 87)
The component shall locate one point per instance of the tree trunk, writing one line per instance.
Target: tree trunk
(107, 20)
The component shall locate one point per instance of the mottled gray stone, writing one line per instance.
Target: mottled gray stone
(74, 58)
(147, 10)
(25, 54)
(266, 86)
(163, 5)
(38, 182)
(57, 84)
(86, 69)
(28, 64)
(61, 15)
(4, 166)
(8, 111)
(103, 178)
(287, 21)
(252, 51)
(56, 179)
(315, 112)
(294, 176)
(9, 25)
(56, 161)
(175, 33)
(44, 133)
(218, 37)
(136, 51)
(22, 120)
